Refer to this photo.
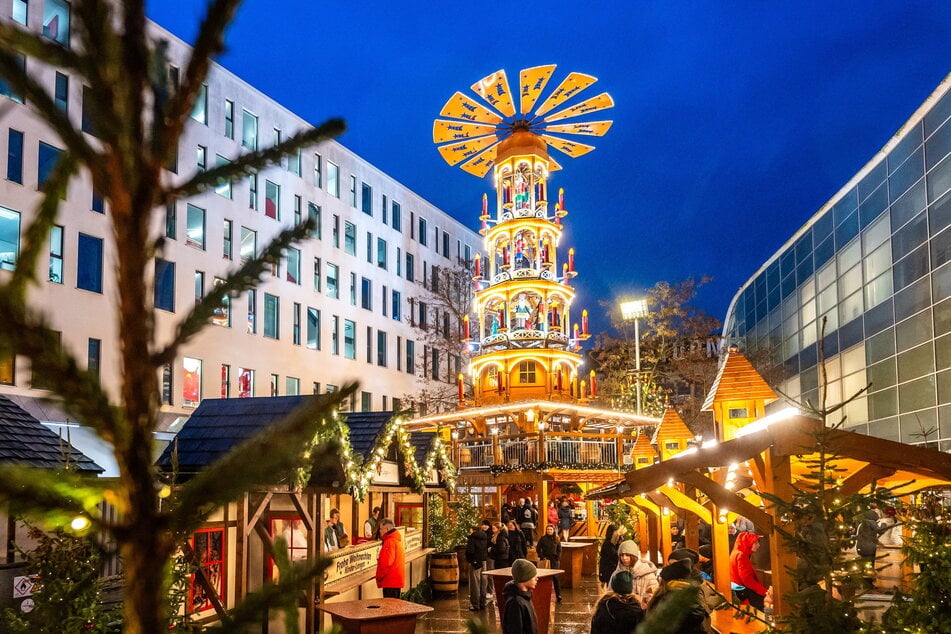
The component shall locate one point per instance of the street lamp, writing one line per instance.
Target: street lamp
(634, 310)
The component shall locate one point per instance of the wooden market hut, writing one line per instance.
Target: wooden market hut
(380, 465)
(773, 452)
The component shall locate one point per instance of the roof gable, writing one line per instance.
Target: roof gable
(738, 380)
(672, 427)
(25, 440)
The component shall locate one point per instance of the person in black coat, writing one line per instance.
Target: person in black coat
(499, 547)
(476, 554)
(517, 547)
(607, 561)
(619, 610)
(518, 611)
(564, 520)
(549, 547)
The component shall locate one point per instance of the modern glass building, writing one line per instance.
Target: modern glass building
(866, 285)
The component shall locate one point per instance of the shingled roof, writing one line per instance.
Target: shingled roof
(672, 427)
(737, 380)
(25, 440)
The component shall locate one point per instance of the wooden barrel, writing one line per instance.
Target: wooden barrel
(465, 457)
(888, 564)
(444, 572)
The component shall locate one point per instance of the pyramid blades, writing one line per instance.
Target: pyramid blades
(460, 106)
(456, 152)
(495, 90)
(587, 106)
(480, 164)
(532, 82)
(445, 131)
(568, 88)
(591, 128)
(571, 148)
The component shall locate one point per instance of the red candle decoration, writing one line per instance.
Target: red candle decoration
(465, 328)
(505, 255)
(485, 205)
(564, 273)
(498, 380)
(460, 386)
(478, 264)
(561, 198)
(584, 390)
(594, 385)
(571, 260)
(584, 322)
(558, 375)
(576, 331)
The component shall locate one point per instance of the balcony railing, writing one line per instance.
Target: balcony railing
(549, 450)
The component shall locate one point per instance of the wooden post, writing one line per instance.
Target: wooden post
(720, 538)
(781, 559)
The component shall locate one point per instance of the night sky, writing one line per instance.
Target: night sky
(734, 121)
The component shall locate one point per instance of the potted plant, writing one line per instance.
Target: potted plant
(449, 524)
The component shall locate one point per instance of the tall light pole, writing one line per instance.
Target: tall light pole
(635, 309)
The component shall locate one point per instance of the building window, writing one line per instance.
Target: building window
(199, 286)
(353, 191)
(222, 315)
(89, 263)
(335, 336)
(272, 200)
(292, 388)
(56, 21)
(317, 275)
(272, 316)
(15, 156)
(253, 191)
(366, 293)
(191, 382)
(274, 381)
(445, 244)
(194, 226)
(225, 380)
(223, 188)
(5, 89)
(167, 384)
(164, 285)
(252, 311)
(333, 179)
(410, 268)
(335, 230)
(381, 348)
(171, 220)
(201, 158)
(313, 328)
(98, 204)
(20, 11)
(349, 238)
(349, 339)
(318, 171)
(293, 265)
(297, 210)
(94, 356)
(397, 219)
(526, 372)
(366, 402)
(46, 160)
(56, 254)
(209, 548)
(353, 289)
(61, 92)
(333, 283)
(313, 213)
(7, 369)
(249, 130)
(410, 356)
(245, 383)
(423, 232)
(397, 306)
(369, 341)
(738, 412)
(369, 247)
(381, 253)
(229, 119)
(423, 321)
(295, 325)
(227, 247)
(249, 244)
(366, 199)
(200, 111)
(384, 210)
(435, 366)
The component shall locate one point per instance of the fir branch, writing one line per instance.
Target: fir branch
(54, 497)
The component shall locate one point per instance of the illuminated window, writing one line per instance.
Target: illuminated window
(313, 328)
(333, 179)
(195, 226)
(249, 244)
(245, 383)
(7, 369)
(526, 372)
(200, 111)
(209, 548)
(227, 247)
(225, 380)
(222, 314)
(224, 187)
(56, 254)
(191, 382)
(292, 530)
(349, 339)
(738, 412)
(272, 200)
(56, 21)
(249, 130)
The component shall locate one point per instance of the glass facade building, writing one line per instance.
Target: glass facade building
(866, 285)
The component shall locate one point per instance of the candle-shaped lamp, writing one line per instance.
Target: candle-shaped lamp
(561, 198)
(478, 265)
(594, 385)
(564, 273)
(571, 260)
(485, 205)
(575, 330)
(465, 328)
(459, 385)
(584, 390)
(584, 322)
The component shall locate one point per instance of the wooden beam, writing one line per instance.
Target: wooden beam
(306, 518)
(726, 499)
(262, 505)
(863, 477)
(680, 500)
(782, 558)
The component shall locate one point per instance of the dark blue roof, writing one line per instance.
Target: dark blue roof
(25, 440)
(218, 425)
(422, 442)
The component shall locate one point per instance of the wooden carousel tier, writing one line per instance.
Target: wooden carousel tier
(484, 476)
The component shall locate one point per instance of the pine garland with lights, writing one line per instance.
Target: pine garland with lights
(562, 466)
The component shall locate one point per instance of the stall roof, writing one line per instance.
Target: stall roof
(25, 440)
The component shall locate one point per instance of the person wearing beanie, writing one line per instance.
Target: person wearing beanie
(643, 571)
(706, 562)
(675, 577)
(607, 558)
(618, 610)
(518, 613)
(684, 554)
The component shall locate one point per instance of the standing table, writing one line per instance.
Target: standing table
(590, 563)
(541, 596)
(572, 560)
(375, 616)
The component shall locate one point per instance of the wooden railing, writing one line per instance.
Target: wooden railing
(551, 448)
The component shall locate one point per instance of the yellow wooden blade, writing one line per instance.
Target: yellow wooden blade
(445, 131)
(456, 152)
(571, 148)
(568, 88)
(531, 82)
(494, 89)
(480, 164)
(591, 128)
(587, 106)
(460, 106)
(553, 165)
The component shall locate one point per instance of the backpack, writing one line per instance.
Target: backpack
(527, 514)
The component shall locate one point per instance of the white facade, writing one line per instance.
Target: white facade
(287, 352)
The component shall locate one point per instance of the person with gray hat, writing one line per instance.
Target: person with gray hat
(643, 571)
(619, 609)
(518, 612)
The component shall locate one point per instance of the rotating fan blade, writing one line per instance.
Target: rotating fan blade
(591, 128)
(568, 88)
(456, 152)
(553, 165)
(587, 106)
(494, 89)
(460, 106)
(480, 164)
(532, 82)
(571, 148)
(445, 131)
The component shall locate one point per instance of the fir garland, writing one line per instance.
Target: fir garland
(564, 466)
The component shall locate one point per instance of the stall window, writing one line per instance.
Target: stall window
(409, 515)
(291, 528)
(209, 551)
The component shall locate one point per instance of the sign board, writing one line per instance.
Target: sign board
(350, 561)
(389, 473)
(23, 586)
(412, 541)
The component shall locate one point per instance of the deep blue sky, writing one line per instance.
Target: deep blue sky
(734, 121)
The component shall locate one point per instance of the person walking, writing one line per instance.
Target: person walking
(564, 520)
(619, 609)
(476, 554)
(607, 558)
(528, 516)
(486, 527)
(391, 565)
(518, 613)
(499, 547)
(549, 547)
(744, 581)
(553, 514)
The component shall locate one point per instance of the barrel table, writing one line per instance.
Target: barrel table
(541, 595)
(572, 560)
(375, 616)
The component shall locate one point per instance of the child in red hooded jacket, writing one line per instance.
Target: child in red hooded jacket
(743, 578)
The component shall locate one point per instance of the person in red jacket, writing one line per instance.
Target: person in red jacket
(391, 566)
(743, 579)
